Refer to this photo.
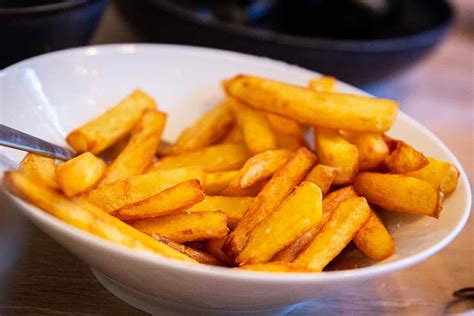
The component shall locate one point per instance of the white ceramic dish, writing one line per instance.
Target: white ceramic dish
(49, 95)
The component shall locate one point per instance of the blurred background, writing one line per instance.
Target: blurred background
(419, 52)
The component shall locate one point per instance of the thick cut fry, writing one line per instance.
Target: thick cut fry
(439, 173)
(296, 214)
(140, 149)
(108, 128)
(400, 193)
(207, 130)
(344, 223)
(275, 191)
(172, 200)
(85, 216)
(332, 110)
(333, 150)
(233, 136)
(323, 176)
(234, 207)
(330, 203)
(374, 240)
(256, 129)
(371, 147)
(275, 267)
(216, 182)
(186, 226)
(80, 174)
(214, 158)
(40, 169)
(214, 247)
(405, 159)
(260, 167)
(323, 84)
(113, 196)
(198, 255)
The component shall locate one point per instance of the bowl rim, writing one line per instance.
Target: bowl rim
(44, 8)
(420, 39)
(223, 272)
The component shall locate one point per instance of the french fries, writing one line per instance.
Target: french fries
(172, 200)
(440, 173)
(296, 214)
(214, 247)
(140, 149)
(275, 267)
(207, 130)
(345, 222)
(216, 182)
(333, 150)
(332, 110)
(85, 217)
(109, 127)
(258, 168)
(213, 158)
(234, 207)
(186, 226)
(323, 176)
(371, 147)
(79, 174)
(400, 193)
(405, 159)
(113, 196)
(287, 132)
(258, 134)
(323, 84)
(275, 191)
(40, 169)
(233, 136)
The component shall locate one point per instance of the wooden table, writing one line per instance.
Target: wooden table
(47, 279)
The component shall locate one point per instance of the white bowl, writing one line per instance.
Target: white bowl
(49, 95)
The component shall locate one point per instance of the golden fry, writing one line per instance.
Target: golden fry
(296, 214)
(40, 169)
(400, 193)
(371, 147)
(214, 247)
(186, 226)
(275, 191)
(345, 222)
(439, 173)
(405, 159)
(332, 110)
(275, 267)
(111, 126)
(216, 182)
(172, 200)
(233, 136)
(140, 149)
(80, 174)
(323, 84)
(333, 150)
(284, 125)
(323, 176)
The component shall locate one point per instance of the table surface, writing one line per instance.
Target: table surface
(47, 279)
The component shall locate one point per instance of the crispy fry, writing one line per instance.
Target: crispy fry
(333, 150)
(374, 240)
(233, 136)
(198, 255)
(371, 147)
(400, 193)
(216, 182)
(405, 159)
(140, 149)
(439, 173)
(85, 216)
(330, 203)
(345, 222)
(113, 196)
(214, 158)
(323, 84)
(296, 214)
(178, 198)
(323, 176)
(234, 207)
(214, 247)
(275, 191)
(111, 126)
(258, 134)
(40, 169)
(260, 167)
(275, 267)
(80, 174)
(332, 110)
(186, 226)
(207, 130)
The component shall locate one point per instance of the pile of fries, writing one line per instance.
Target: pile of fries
(241, 187)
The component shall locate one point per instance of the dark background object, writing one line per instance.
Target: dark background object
(29, 28)
(357, 45)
